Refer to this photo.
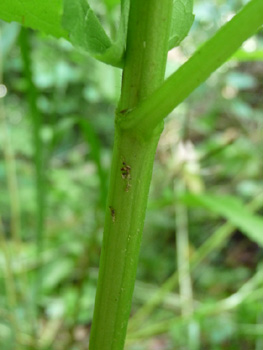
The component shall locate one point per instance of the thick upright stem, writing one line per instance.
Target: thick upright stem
(147, 46)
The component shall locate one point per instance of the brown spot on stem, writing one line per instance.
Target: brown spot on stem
(125, 171)
(113, 213)
(126, 175)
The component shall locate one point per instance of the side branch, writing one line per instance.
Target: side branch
(151, 112)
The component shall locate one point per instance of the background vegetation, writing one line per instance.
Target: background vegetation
(200, 282)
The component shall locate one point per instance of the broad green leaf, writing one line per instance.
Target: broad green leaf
(182, 20)
(40, 15)
(232, 209)
(119, 46)
(84, 28)
(57, 271)
(111, 3)
(88, 34)
(72, 20)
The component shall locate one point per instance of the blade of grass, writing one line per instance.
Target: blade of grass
(10, 286)
(183, 265)
(40, 188)
(11, 174)
(214, 242)
(247, 292)
(95, 151)
(14, 297)
(182, 252)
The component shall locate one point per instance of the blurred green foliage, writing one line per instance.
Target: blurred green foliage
(211, 147)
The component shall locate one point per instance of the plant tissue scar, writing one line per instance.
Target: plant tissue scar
(126, 175)
(113, 213)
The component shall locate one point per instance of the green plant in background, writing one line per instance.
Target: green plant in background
(147, 31)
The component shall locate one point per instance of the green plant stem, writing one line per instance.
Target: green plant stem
(11, 174)
(182, 252)
(144, 67)
(37, 144)
(184, 271)
(9, 282)
(143, 119)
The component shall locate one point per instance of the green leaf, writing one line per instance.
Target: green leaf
(234, 210)
(44, 16)
(75, 22)
(57, 271)
(111, 3)
(88, 34)
(84, 28)
(182, 20)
